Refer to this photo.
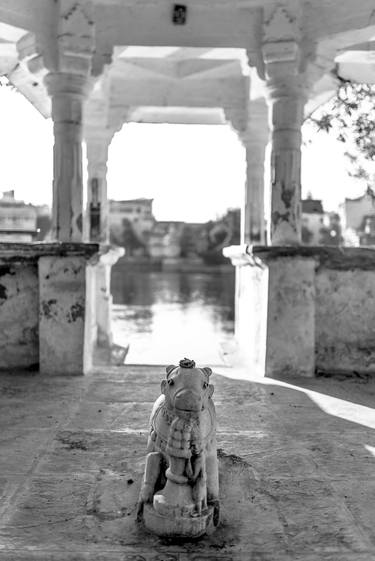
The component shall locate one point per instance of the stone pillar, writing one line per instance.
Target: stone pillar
(66, 282)
(68, 92)
(103, 298)
(254, 140)
(97, 229)
(97, 212)
(286, 88)
(252, 129)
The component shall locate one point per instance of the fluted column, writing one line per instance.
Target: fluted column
(254, 140)
(287, 94)
(251, 126)
(68, 92)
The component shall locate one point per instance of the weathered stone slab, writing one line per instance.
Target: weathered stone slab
(49, 511)
(358, 496)
(47, 414)
(239, 391)
(306, 506)
(37, 388)
(19, 449)
(19, 316)
(123, 391)
(230, 415)
(341, 455)
(127, 373)
(131, 554)
(296, 481)
(98, 512)
(84, 451)
(111, 416)
(9, 486)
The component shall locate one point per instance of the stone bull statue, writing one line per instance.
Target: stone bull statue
(180, 491)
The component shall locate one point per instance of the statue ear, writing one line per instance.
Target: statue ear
(163, 386)
(169, 369)
(207, 370)
(211, 388)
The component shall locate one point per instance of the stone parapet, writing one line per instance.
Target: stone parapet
(14, 252)
(46, 306)
(340, 258)
(305, 309)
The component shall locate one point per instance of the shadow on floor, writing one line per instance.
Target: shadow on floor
(354, 387)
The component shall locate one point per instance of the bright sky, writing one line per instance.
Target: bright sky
(193, 172)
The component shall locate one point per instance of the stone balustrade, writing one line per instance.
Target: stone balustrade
(305, 309)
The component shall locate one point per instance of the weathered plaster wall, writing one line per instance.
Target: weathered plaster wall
(62, 304)
(18, 315)
(290, 318)
(345, 320)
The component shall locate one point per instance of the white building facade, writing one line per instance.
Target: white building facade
(18, 221)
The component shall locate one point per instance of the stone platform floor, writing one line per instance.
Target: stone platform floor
(297, 463)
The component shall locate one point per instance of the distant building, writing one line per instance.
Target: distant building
(165, 239)
(358, 219)
(313, 218)
(366, 231)
(131, 222)
(18, 220)
(353, 211)
(43, 223)
(320, 227)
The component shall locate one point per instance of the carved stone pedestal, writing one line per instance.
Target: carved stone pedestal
(178, 526)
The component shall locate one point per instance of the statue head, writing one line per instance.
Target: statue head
(186, 387)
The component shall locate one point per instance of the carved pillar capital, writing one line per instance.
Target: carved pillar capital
(75, 37)
(283, 63)
(237, 119)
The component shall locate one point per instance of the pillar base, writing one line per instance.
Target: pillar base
(275, 314)
(66, 313)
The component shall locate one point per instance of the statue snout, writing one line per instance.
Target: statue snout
(187, 400)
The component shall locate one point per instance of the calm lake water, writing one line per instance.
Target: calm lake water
(165, 316)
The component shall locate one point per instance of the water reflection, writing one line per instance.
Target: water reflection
(165, 316)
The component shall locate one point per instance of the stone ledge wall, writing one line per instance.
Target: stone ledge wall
(344, 324)
(22, 303)
(325, 295)
(19, 324)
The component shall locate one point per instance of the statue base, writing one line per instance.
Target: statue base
(178, 526)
